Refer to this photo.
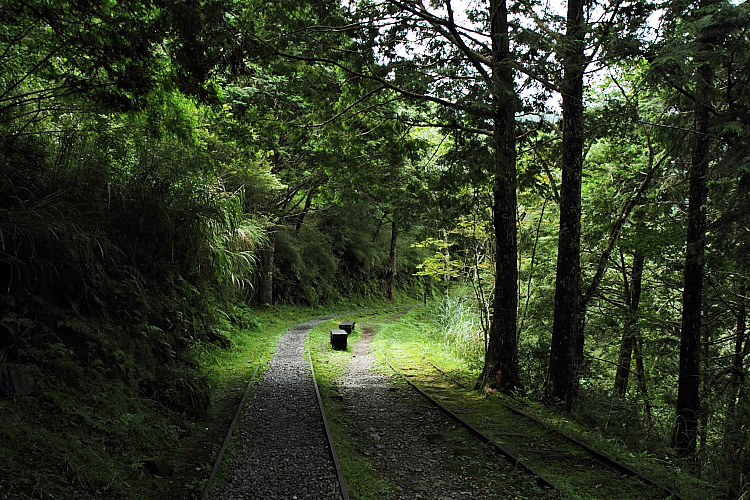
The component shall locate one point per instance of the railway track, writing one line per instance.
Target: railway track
(244, 484)
(329, 436)
(557, 460)
(281, 452)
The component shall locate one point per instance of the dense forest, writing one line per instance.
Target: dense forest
(576, 176)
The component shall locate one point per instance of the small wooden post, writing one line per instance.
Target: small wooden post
(338, 339)
(348, 326)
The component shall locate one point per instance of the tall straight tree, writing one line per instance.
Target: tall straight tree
(501, 361)
(562, 381)
(467, 76)
(703, 60)
(684, 438)
(615, 35)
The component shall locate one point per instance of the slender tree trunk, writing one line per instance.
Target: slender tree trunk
(265, 292)
(447, 260)
(631, 327)
(642, 382)
(391, 275)
(614, 235)
(734, 423)
(500, 369)
(563, 378)
(531, 267)
(738, 367)
(705, 412)
(685, 432)
(305, 210)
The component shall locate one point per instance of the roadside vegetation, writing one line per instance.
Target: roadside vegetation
(173, 172)
(419, 338)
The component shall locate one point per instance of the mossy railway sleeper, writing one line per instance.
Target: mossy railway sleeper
(541, 479)
(596, 455)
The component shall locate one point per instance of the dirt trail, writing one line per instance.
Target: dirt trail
(403, 436)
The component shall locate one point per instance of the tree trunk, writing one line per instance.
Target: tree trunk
(531, 267)
(738, 366)
(642, 383)
(391, 275)
(563, 380)
(305, 210)
(631, 327)
(265, 292)
(734, 424)
(500, 369)
(685, 431)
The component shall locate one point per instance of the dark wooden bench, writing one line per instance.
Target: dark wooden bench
(338, 339)
(348, 326)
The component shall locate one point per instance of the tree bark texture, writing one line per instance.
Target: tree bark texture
(685, 433)
(391, 275)
(642, 382)
(630, 329)
(265, 293)
(563, 380)
(501, 359)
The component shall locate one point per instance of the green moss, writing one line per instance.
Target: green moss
(412, 342)
(362, 477)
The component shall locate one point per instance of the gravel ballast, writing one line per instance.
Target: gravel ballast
(401, 435)
(282, 451)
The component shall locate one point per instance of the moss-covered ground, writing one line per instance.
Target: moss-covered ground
(364, 481)
(410, 342)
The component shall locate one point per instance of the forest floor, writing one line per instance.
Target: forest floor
(418, 451)
(394, 445)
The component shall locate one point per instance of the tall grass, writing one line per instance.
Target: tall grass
(459, 328)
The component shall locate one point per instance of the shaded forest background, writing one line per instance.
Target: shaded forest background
(577, 182)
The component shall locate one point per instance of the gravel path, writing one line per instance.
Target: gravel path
(282, 451)
(401, 434)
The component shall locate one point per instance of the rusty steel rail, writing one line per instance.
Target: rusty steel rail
(215, 469)
(540, 478)
(597, 455)
(329, 436)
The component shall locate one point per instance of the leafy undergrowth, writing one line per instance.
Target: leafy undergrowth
(108, 398)
(107, 401)
(364, 481)
(412, 342)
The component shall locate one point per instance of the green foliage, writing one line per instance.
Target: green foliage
(338, 255)
(118, 245)
(459, 329)
(132, 214)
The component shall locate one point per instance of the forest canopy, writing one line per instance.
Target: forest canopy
(578, 174)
